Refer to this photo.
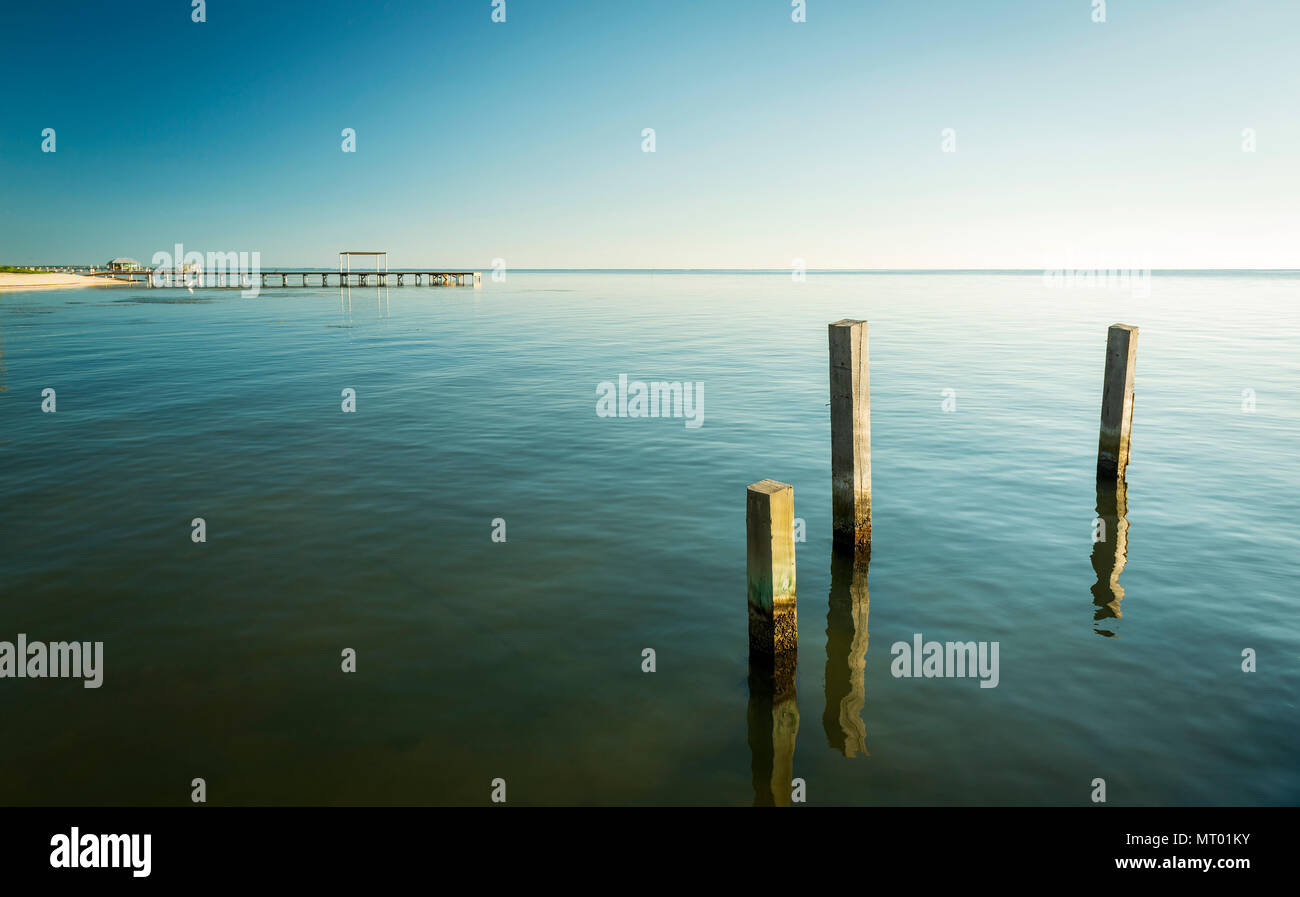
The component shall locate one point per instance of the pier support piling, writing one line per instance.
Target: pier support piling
(773, 639)
(850, 435)
(1117, 401)
(770, 569)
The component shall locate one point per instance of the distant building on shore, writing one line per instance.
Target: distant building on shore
(123, 264)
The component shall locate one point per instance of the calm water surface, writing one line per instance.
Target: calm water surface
(522, 660)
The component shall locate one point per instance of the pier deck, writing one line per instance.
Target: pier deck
(247, 279)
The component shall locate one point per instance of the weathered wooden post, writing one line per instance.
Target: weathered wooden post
(1117, 401)
(769, 561)
(850, 435)
(773, 639)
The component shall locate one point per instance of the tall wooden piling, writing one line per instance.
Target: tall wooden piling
(850, 435)
(769, 561)
(1117, 401)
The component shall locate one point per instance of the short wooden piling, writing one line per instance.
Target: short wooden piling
(769, 551)
(1117, 401)
(850, 435)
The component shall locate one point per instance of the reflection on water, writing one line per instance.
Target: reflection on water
(325, 549)
(846, 654)
(1110, 550)
(773, 713)
(345, 303)
(773, 724)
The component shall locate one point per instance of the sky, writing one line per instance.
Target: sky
(1083, 143)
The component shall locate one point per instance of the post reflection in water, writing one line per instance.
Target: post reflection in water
(846, 654)
(345, 302)
(1109, 550)
(773, 724)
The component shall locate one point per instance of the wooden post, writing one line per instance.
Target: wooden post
(769, 552)
(850, 435)
(1117, 401)
(773, 639)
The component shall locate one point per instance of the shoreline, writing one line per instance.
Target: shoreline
(55, 280)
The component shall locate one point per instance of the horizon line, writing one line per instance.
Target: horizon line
(758, 270)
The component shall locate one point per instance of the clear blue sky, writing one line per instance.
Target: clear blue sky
(775, 140)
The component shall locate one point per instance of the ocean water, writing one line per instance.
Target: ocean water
(522, 660)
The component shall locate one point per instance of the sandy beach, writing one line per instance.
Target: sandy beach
(55, 280)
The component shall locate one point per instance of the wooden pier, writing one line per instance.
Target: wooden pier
(265, 279)
(222, 277)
